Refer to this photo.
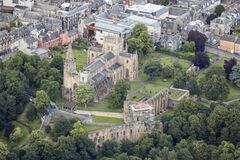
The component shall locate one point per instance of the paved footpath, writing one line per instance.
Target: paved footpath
(98, 113)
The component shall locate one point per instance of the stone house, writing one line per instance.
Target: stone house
(13, 3)
(171, 42)
(220, 26)
(28, 44)
(71, 13)
(230, 43)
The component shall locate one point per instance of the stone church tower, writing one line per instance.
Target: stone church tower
(70, 74)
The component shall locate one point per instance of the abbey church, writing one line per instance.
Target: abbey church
(106, 65)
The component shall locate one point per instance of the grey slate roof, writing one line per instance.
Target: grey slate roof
(124, 54)
(30, 40)
(94, 66)
(108, 56)
(115, 66)
(110, 27)
(238, 41)
(228, 38)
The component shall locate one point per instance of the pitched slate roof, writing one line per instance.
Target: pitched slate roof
(228, 38)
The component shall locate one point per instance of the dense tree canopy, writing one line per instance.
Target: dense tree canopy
(140, 41)
(187, 81)
(199, 39)
(228, 65)
(153, 69)
(118, 94)
(235, 75)
(219, 9)
(84, 94)
(201, 60)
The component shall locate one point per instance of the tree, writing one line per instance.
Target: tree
(86, 147)
(119, 94)
(84, 94)
(42, 101)
(57, 62)
(235, 75)
(66, 148)
(187, 81)
(153, 69)
(140, 40)
(62, 127)
(210, 18)
(52, 88)
(8, 129)
(228, 65)
(189, 46)
(199, 39)
(78, 129)
(16, 135)
(184, 154)
(147, 41)
(138, 29)
(135, 45)
(162, 2)
(214, 70)
(219, 9)
(127, 147)
(201, 60)
(35, 135)
(31, 112)
(109, 148)
(216, 88)
(3, 151)
(167, 72)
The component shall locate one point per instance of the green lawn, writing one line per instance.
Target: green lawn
(175, 94)
(165, 59)
(81, 58)
(134, 85)
(108, 120)
(93, 128)
(25, 133)
(35, 124)
(234, 91)
(102, 109)
(155, 86)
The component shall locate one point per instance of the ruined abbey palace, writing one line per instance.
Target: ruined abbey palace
(106, 65)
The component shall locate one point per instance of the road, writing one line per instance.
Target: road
(221, 53)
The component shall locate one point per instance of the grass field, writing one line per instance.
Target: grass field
(93, 128)
(102, 109)
(166, 60)
(35, 124)
(233, 89)
(108, 120)
(81, 58)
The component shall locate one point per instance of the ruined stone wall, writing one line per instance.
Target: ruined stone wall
(159, 102)
(130, 131)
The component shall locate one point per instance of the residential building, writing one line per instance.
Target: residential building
(71, 13)
(230, 43)
(13, 3)
(171, 42)
(56, 38)
(220, 26)
(149, 10)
